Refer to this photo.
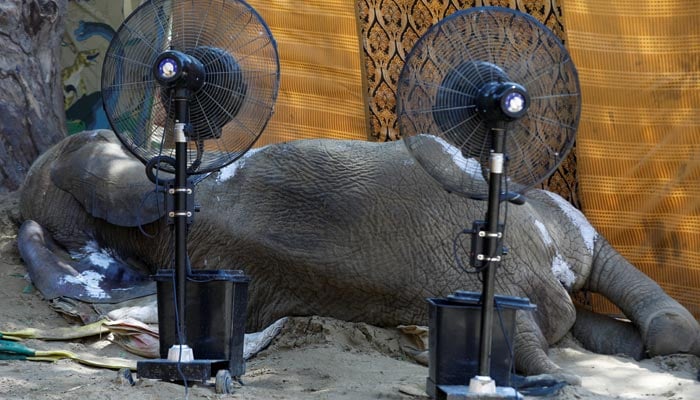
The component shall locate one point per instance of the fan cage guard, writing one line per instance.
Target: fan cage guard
(438, 87)
(227, 115)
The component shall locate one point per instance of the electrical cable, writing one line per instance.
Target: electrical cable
(460, 264)
(180, 339)
(157, 189)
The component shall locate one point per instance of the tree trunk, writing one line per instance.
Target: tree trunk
(32, 117)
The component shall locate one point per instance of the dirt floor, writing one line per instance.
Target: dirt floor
(312, 358)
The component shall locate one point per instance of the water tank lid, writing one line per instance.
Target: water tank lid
(231, 275)
(474, 298)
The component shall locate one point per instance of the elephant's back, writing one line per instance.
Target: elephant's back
(353, 185)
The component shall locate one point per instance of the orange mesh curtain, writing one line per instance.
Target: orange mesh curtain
(321, 92)
(638, 143)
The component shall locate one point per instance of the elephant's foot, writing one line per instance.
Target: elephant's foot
(531, 355)
(605, 335)
(672, 331)
(538, 366)
(544, 384)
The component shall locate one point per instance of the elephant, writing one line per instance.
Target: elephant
(354, 230)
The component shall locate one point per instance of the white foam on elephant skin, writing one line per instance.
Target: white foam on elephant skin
(101, 259)
(90, 281)
(588, 232)
(544, 233)
(468, 165)
(563, 271)
(229, 171)
(96, 255)
(560, 268)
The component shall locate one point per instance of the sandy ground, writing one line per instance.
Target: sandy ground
(312, 358)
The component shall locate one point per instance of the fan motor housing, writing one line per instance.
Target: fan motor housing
(177, 69)
(453, 111)
(502, 101)
(200, 71)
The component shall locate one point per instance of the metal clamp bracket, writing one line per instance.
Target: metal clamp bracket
(172, 214)
(481, 257)
(170, 202)
(477, 257)
(497, 235)
(187, 190)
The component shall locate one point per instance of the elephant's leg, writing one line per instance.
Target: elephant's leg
(95, 277)
(605, 335)
(531, 351)
(665, 325)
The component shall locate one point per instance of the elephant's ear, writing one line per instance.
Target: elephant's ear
(110, 183)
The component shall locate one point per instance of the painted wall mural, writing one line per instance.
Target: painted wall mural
(90, 25)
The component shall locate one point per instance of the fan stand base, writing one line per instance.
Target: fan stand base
(191, 371)
(216, 303)
(460, 392)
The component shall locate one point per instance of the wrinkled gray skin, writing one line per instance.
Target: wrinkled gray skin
(356, 231)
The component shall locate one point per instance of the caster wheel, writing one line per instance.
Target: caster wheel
(124, 377)
(224, 382)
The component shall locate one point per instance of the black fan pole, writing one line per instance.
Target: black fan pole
(470, 94)
(180, 191)
(180, 75)
(500, 103)
(199, 52)
(493, 249)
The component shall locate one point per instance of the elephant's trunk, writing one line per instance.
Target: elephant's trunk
(605, 335)
(663, 322)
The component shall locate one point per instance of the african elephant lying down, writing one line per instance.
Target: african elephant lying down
(347, 229)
